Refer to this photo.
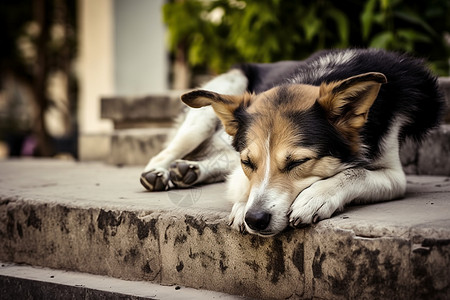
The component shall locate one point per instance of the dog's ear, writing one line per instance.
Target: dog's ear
(347, 102)
(223, 105)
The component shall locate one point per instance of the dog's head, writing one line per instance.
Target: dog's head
(290, 137)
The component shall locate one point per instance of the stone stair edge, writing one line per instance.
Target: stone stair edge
(204, 215)
(201, 218)
(213, 220)
(141, 108)
(25, 282)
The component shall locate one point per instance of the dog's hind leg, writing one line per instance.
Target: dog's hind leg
(199, 125)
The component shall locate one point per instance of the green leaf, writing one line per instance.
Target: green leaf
(413, 36)
(367, 18)
(382, 40)
(385, 4)
(343, 26)
(411, 17)
(311, 24)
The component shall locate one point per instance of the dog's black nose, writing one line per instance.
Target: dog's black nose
(257, 220)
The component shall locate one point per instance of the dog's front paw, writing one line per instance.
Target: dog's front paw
(156, 179)
(237, 217)
(184, 173)
(315, 203)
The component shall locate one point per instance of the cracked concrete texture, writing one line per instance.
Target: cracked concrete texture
(94, 218)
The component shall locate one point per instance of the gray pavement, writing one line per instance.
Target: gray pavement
(97, 185)
(90, 217)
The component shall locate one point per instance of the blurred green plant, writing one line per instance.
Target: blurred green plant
(218, 33)
(417, 27)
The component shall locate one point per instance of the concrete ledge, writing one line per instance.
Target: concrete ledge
(146, 108)
(137, 146)
(431, 157)
(24, 282)
(444, 84)
(97, 219)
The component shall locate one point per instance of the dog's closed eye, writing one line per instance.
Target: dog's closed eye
(248, 164)
(292, 164)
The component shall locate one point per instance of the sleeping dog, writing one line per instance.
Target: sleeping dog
(299, 140)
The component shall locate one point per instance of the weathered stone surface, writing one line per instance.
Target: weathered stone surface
(114, 243)
(431, 156)
(208, 254)
(137, 146)
(145, 108)
(97, 219)
(434, 153)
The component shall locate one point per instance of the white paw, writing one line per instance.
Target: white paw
(237, 217)
(316, 203)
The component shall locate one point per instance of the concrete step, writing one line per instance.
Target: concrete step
(95, 218)
(142, 111)
(137, 146)
(431, 157)
(25, 282)
(444, 84)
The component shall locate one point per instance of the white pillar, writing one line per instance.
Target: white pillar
(95, 75)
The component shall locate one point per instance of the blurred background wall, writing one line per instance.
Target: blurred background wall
(58, 58)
